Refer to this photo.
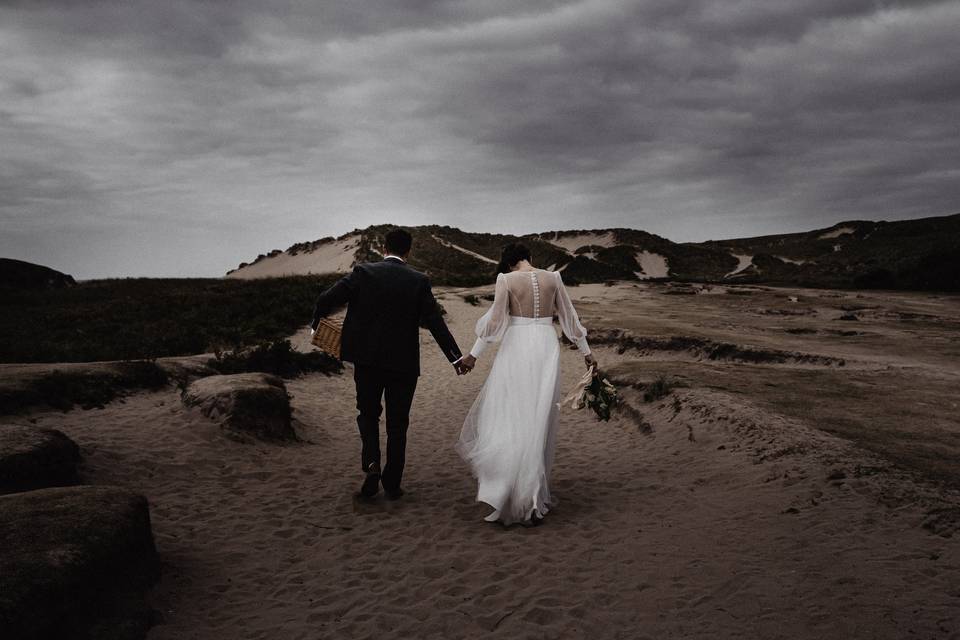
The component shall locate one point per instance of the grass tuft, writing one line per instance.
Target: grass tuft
(90, 389)
(659, 388)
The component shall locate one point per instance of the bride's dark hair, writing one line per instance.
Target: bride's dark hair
(511, 255)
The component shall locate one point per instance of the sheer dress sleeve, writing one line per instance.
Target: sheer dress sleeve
(493, 324)
(569, 320)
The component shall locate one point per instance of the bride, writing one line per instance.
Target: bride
(509, 433)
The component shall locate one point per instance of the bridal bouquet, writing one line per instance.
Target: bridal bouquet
(596, 392)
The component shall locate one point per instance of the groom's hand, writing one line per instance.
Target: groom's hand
(467, 363)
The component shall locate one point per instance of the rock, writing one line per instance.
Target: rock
(249, 404)
(76, 563)
(33, 458)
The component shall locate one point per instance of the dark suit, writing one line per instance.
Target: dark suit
(387, 302)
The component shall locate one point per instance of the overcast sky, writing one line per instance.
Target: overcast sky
(140, 137)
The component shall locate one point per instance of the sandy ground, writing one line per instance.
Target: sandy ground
(894, 358)
(716, 519)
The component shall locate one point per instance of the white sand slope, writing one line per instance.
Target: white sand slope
(652, 265)
(791, 260)
(570, 244)
(335, 256)
(466, 251)
(836, 233)
(744, 261)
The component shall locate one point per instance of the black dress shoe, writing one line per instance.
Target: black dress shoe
(393, 494)
(371, 484)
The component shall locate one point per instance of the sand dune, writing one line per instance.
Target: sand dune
(836, 233)
(791, 260)
(702, 515)
(335, 256)
(652, 265)
(743, 262)
(570, 243)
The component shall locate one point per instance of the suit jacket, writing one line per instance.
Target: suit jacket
(387, 303)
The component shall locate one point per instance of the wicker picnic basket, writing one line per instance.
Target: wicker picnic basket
(327, 337)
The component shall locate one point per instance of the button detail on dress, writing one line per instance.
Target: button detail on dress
(536, 294)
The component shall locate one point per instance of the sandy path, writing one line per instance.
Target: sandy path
(655, 536)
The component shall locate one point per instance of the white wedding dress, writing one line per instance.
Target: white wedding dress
(509, 433)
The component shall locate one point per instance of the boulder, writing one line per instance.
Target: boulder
(246, 404)
(76, 563)
(33, 458)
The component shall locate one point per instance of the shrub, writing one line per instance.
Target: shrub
(584, 269)
(143, 374)
(659, 388)
(90, 389)
(278, 357)
(138, 318)
(877, 278)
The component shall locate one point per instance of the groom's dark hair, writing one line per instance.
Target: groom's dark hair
(398, 242)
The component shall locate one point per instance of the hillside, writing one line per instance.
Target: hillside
(914, 254)
(17, 274)
(909, 254)
(460, 258)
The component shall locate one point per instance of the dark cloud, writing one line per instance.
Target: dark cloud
(182, 137)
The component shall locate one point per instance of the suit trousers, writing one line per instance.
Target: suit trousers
(396, 388)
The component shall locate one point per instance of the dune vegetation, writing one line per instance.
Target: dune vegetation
(136, 318)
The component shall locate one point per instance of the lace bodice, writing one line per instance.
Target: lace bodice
(529, 294)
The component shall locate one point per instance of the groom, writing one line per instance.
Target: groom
(387, 302)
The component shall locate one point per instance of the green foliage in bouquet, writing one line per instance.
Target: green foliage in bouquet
(601, 396)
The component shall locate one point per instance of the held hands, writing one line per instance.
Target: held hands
(465, 365)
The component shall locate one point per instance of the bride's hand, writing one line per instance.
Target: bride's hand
(590, 361)
(468, 362)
